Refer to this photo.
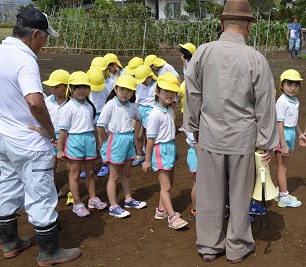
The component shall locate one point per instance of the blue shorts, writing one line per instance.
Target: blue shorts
(163, 156)
(145, 112)
(290, 134)
(118, 148)
(55, 150)
(192, 159)
(80, 146)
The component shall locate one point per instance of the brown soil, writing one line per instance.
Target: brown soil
(140, 240)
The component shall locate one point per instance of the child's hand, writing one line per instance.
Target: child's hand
(266, 156)
(146, 166)
(285, 151)
(302, 139)
(61, 155)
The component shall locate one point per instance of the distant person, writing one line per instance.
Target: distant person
(27, 179)
(230, 109)
(287, 111)
(294, 36)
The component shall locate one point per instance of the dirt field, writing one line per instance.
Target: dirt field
(140, 240)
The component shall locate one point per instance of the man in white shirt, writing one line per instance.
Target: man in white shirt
(26, 138)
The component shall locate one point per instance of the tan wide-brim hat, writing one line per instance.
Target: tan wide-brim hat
(295, 17)
(237, 10)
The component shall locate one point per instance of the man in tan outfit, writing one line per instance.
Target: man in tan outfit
(230, 108)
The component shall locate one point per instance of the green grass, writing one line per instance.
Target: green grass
(4, 32)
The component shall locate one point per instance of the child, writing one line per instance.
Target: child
(114, 66)
(145, 99)
(149, 60)
(187, 50)
(57, 82)
(287, 109)
(161, 149)
(77, 123)
(192, 163)
(118, 149)
(132, 65)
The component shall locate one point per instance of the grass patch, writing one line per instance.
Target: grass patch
(4, 32)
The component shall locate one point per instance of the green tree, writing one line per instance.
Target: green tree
(192, 7)
(263, 5)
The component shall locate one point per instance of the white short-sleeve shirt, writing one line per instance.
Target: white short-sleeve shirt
(19, 77)
(165, 68)
(117, 118)
(55, 110)
(287, 110)
(145, 95)
(160, 124)
(98, 99)
(77, 118)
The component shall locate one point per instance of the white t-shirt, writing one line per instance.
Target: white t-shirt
(117, 118)
(167, 67)
(160, 124)
(145, 95)
(55, 110)
(19, 77)
(287, 110)
(76, 117)
(98, 99)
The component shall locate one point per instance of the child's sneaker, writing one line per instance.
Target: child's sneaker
(176, 222)
(58, 191)
(289, 201)
(160, 215)
(255, 208)
(135, 204)
(118, 212)
(278, 196)
(103, 171)
(80, 210)
(251, 218)
(138, 160)
(83, 175)
(96, 203)
(192, 214)
(70, 199)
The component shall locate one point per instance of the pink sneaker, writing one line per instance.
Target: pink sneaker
(96, 203)
(80, 210)
(176, 222)
(160, 215)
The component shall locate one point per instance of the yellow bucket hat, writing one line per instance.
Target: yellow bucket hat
(190, 47)
(142, 72)
(77, 78)
(149, 60)
(110, 57)
(291, 75)
(168, 82)
(126, 81)
(57, 77)
(96, 79)
(159, 62)
(132, 65)
(99, 62)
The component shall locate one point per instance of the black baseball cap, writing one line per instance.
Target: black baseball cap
(34, 18)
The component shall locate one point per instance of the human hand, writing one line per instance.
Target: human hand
(266, 156)
(41, 131)
(146, 166)
(285, 151)
(302, 139)
(60, 155)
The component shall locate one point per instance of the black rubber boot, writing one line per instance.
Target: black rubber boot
(50, 251)
(11, 243)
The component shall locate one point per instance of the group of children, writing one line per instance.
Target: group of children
(126, 116)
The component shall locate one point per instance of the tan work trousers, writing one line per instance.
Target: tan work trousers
(219, 178)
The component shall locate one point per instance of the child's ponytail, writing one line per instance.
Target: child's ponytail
(93, 107)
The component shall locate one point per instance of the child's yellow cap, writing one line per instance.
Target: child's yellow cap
(126, 81)
(132, 65)
(79, 78)
(168, 82)
(57, 77)
(291, 75)
(110, 58)
(190, 47)
(96, 79)
(99, 62)
(159, 62)
(149, 60)
(142, 72)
